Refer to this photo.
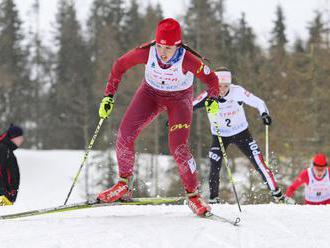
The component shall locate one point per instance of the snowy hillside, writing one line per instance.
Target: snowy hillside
(47, 176)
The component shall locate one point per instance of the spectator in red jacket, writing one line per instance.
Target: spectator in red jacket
(9, 171)
(316, 180)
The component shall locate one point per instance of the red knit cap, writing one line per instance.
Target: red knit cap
(320, 160)
(168, 32)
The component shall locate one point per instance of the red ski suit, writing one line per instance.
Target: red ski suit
(148, 102)
(303, 178)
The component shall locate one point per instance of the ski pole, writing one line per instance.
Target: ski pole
(91, 143)
(230, 175)
(267, 145)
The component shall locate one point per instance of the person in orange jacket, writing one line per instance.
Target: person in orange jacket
(316, 180)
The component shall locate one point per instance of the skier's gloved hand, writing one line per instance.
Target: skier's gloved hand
(12, 195)
(106, 106)
(212, 106)
(266, 119)
(4, 201)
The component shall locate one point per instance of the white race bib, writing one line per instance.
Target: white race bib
(170, 79)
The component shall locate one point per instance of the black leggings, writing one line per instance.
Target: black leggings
(245, 142)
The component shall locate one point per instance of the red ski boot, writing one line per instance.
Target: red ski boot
(197, 204)
(115, 192)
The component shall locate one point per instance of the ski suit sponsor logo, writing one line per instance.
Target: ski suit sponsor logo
(116, 192)
(200, 68)
(192, 165)
(207, 70)
(254, 148)
(179, 126)
(214, 156)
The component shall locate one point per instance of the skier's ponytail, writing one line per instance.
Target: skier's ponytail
(147, 44)
(195, 53)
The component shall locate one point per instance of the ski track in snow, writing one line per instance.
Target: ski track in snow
(47, 176)
(265, 226)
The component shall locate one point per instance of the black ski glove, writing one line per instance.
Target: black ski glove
(12, 195)
(266, 119)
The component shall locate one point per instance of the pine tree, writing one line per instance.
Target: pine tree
(105, 41)
(199, 34)
(316, 33)
(13, 71)
(132, 27)
(298, 46)
(248, 55)
(245, 40)
(278, 40)
(319, 77)
(40, 64)
(150, 19)
(224, 43)
(73, 108)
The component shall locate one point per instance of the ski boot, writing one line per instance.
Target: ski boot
(197, 204)
(278, 196)
(129, 195)
(214, 200)
(116, 192)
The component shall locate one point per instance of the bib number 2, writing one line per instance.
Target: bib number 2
(228, 121)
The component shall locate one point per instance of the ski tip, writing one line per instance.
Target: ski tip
(207, 214)
(211, 216)
(94, 201)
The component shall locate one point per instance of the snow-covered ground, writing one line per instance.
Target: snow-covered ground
(47, 176)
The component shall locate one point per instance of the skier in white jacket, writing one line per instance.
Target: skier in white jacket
(233, 129)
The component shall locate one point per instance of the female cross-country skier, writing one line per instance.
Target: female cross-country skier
(316, 180)
(170, 67)
(233, 129)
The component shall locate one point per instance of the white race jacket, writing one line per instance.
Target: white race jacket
(231, 116)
